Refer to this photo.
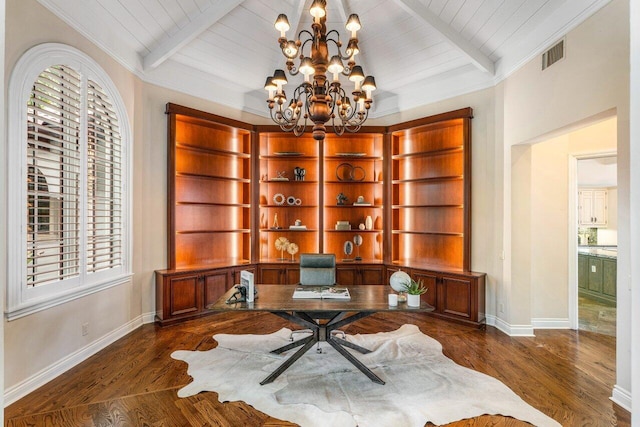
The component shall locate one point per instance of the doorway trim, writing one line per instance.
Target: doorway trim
(573, 229)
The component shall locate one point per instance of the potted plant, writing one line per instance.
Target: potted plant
(414, 288)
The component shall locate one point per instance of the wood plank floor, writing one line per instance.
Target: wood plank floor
(568, 375)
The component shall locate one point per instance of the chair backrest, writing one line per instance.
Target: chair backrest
(318, 269)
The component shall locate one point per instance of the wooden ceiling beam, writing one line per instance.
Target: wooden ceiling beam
(189, 32)
(479, 59)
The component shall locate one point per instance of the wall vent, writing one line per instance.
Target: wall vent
(553, 55)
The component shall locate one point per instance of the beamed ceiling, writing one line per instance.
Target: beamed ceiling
(420, 51)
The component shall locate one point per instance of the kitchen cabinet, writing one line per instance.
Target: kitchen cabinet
(597, 277)
(592, 207)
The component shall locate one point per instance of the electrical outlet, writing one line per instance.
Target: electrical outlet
(502, 255)
(85, 329)
(501, 307)
(593, 269)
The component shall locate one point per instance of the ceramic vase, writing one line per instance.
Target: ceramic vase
(413, 300)
(368, 223)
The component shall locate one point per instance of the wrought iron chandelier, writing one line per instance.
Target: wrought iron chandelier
(320, 99)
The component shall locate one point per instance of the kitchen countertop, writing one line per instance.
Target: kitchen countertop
(599, 251)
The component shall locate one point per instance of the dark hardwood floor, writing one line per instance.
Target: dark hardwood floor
(568, 375)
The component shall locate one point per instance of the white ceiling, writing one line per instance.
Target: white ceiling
(598, 172)
(420, 51)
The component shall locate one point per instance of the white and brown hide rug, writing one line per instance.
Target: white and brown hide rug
(326, 390)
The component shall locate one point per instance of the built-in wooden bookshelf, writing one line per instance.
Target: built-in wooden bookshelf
(430, 191)
(286, 196)
(353, 168)
(209, 191)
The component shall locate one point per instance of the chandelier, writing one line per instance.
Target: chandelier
(318, 98)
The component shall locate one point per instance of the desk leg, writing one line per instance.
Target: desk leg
(346, 343)
(294, 344)
(309, 342)
(358, 364)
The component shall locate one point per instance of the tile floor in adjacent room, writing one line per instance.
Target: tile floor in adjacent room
(596, 317)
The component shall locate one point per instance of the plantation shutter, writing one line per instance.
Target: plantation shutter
(104, 183)
(53, 176)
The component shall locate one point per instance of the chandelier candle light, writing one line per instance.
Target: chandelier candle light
(322, 99)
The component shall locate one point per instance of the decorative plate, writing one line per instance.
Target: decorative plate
(288, 153)
(279, 199)
(357, 240)
(282, 243)
(351, 154)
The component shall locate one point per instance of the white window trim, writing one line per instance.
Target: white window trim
(21, 300)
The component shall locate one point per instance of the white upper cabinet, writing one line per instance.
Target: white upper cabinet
(592, 207)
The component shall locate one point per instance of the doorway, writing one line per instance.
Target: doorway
(597, 237)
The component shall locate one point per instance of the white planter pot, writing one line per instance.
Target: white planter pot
(413, 300)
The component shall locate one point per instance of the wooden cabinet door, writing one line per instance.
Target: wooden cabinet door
(609, 277)
(595, 274)
(430, 281)
(371, 275)
(346, 275)
(184, 295)
(585, 207)
(599, 208)
(275, 274)
(592, 207)
(456, 297)
(292, 275)
(215, 285)
(271, 274)
(583, 271)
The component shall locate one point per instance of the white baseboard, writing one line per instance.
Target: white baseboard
(511, 330)
(621, 397)
(149, 317)
(550, 323)
(12, 394)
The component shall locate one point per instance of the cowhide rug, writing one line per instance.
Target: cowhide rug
(326, 390)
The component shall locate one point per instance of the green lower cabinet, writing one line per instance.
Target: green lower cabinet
(609, 273)
(595, 274)
(583, 271)
(597, 278)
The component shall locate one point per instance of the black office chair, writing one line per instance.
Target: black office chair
(317, 270)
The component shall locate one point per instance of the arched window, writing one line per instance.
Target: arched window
(68, 158)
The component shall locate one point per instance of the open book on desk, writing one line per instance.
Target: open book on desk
(321, 292)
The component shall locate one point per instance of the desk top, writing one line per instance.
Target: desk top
(272, 298)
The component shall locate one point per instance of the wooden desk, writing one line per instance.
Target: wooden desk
(309, 313)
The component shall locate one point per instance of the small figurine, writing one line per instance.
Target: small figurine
(299, 173)
(341, 198)
(275, 222)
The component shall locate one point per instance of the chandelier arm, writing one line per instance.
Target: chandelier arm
(336, 93)
(355, 125)
(309, 38)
